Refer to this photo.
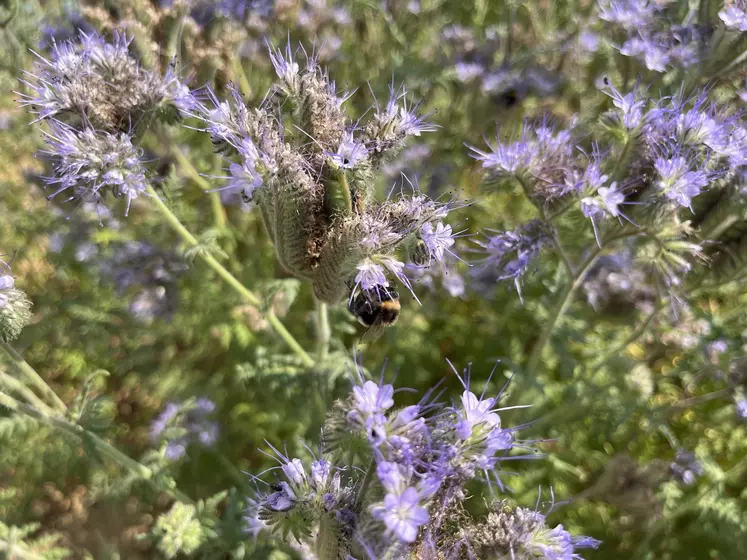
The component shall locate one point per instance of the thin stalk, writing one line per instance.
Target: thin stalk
(35, 379)
(717, 230)
(541, 211)
(323, 333)
(346, 192)
(364, 486)
(732, 65)
(229, 278)
(174, 40)
(240, 75)
(287, 337)
(564, 300)
(189, 169)
(219, 213)
(18, 387)
(101, 446)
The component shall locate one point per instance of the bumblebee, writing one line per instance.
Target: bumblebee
(376, 310)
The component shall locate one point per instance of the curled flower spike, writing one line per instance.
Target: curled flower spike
(540, 159)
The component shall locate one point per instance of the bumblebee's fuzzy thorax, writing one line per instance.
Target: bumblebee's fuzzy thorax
(376, 311)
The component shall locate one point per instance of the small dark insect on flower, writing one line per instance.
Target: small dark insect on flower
(376, 311)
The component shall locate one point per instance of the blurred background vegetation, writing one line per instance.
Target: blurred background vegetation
(613, 403)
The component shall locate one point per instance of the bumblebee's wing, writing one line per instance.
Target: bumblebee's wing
(373, 332)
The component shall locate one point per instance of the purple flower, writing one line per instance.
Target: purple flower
(349, 153)
(370, 276)
(88, 164)
(628, 14)
(294, 471)
(371, 398)
(437, 241)
(508, 254)
(734, 15)
(686, 468)
(556, 543)
(181, 424)
(606, 202)
(741, 404)
(677, 182)
(175, 450)
(468, 71)
(475, 411)
(402, 514)
(244, 179)
(629, 107)
(507, 159)
(286, 69)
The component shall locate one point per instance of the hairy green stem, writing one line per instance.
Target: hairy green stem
(16, 386)
(35, 379)
(240, 75)
(186, 166)
(101, 446)
(323, 333)
(219, 213)
(368, 477)
(229, 278)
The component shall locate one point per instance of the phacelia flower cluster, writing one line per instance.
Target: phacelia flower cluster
(408, 498)
(314, 182)
(509, 531)
(651, 34)
(89, 165)
(641, 177)
(95, 95)
(15, 307)
(97, 83)
(508, 255)
(182, 424)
